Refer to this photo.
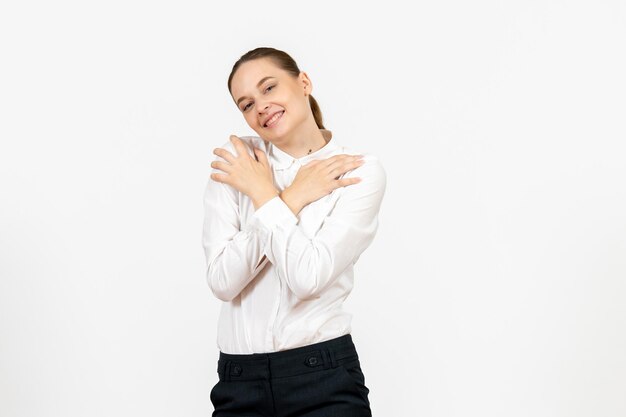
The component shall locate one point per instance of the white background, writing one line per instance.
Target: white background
(496, 285)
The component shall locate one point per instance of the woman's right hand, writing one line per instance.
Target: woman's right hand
(320, 177)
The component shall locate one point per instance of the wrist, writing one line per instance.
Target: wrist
(292, 200)
(264, 196)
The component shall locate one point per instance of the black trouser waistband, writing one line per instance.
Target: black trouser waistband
(303, 359)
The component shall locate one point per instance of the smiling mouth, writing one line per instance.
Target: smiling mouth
(274, 119)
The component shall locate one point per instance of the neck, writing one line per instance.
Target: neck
(305, 139)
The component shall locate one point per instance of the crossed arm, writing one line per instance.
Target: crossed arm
(235, 254)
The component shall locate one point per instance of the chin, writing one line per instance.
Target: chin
(276, 134)
(263, 134)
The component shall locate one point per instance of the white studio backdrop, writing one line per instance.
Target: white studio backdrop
(497, 280)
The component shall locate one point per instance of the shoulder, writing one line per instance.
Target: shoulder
(372, 171)
(250, 141)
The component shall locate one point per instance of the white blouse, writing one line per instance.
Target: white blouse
(283, 278)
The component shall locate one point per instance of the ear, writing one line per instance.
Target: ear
(306, 83)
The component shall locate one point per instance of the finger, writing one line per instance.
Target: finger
(354, 164)
(239, 145)
(349, 164)
(261, 156)
(333, 161)
(344, 182)
(224, 166)
(338, 169)
(219, 177)
(344, 156)
(224, 154)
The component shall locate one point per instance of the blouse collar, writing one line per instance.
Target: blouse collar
(282, 160)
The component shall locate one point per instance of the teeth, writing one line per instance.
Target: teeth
(274, 118)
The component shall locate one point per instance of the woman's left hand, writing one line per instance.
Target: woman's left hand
(253, 177)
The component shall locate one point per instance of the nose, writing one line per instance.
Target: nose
(263, 107)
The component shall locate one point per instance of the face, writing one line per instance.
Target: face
(259, 98)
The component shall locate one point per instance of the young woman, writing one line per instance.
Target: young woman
(287, 215)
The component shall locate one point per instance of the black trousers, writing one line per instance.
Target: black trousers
(318, 380)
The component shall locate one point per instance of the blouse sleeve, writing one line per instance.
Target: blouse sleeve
(309, 265)
(234, 257)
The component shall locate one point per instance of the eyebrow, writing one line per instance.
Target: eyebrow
(257, 86)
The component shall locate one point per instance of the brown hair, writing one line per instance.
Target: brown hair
(284, 61)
